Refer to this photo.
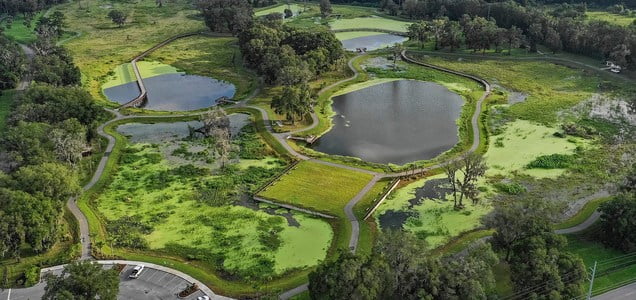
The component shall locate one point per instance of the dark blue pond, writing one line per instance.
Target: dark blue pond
(174, 92)
(394, 122)
(373, 42)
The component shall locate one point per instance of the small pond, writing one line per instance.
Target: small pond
(162, 132)
(394, 122)
(174, 92)
(373, 42)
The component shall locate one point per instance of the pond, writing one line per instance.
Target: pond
(162, 132)
(174, 92)
(373, 42)
(394, 122)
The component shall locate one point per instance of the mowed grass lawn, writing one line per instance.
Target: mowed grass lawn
(317, 187)
(613, 267)
(370, 22)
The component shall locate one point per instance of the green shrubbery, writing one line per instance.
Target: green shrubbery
(552, 161)
(511, 188)
(127, 232)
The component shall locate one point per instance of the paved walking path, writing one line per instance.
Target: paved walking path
(26, 79)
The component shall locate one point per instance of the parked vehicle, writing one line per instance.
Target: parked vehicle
(136, 271)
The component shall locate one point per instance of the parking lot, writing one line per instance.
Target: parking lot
(153, 283)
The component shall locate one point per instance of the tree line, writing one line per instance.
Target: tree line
(49, 127)
(574, 34)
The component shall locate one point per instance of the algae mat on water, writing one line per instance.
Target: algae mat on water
(520, 143)
(370, 22)
(150, 203)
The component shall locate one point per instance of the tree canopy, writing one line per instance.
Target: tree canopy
(83, 280)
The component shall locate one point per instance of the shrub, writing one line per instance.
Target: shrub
(552, 161)
(512, 188)
(31, 275)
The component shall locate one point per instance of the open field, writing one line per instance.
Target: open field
(612, 18)
(295, 8)
(370, 22)
(550, 88)
(317, 187)
(347, 35)
(613, 266)
(19, 31)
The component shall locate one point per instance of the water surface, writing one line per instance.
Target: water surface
(394, 122)
(373, 42)
(162, 132)
(174, 92)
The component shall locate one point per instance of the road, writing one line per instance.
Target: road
(627, 292)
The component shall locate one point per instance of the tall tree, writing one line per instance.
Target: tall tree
(82, 280)
(437, 28)
(118, 17)
(452, 36)
(419, 31)
(294, 102)
(397, 50)
(514, 36)
(325, 8)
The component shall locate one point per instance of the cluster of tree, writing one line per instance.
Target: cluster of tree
(48, 129)
(618, 217)
(11, 63)
(398, 268)
(231, 16)
(592, 38)
(118, 17)
(82, 280)
(540, 268)
(26, 7)
(216, 127)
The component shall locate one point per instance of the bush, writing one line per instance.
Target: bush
(31, 275)
(552, 161)
(512, 188)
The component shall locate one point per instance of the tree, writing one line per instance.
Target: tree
(419, 31)
(49, 180)
(473, 167)
(535, 34)
(294, 102)
(232, 16)
(11, 63)
(118, 17)
(325, 8)
(513, 38)
(452, 35)
(215, 119)
(397, 53)
(553, 40)
(288, 13)
(516, 220)
(450, 169)
(437, 27)
(69, 141)
(82, 280)
(617, 221)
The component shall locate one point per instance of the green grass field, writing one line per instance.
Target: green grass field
(21, 32)
(370, 22)
(317, 187)
(550, 88)
(295, 8)
(610, 17)
(6, 98)
(614, 267)
(343, 36)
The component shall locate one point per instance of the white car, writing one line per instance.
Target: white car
(203, 298)
(136, 271)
